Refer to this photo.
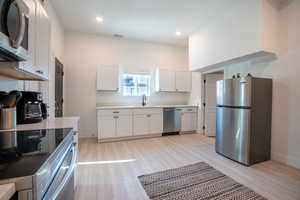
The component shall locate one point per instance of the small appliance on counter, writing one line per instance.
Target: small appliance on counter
(244, 116)
(31, 108)
(8, 102)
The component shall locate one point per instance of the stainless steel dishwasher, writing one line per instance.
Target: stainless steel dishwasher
(172, 121)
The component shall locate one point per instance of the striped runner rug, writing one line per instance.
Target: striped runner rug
(197, 181)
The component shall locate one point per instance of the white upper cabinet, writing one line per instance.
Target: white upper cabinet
(173, 81)
(108, 78)
(183, 81)
(236, 36)
(43, 38)
(39, 38)
(165, 80)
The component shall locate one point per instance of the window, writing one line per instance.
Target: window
(136, 85)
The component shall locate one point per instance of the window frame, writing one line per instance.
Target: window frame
(135, 84)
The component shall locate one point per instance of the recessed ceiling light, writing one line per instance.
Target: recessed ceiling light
(99, 19)
(178, 33)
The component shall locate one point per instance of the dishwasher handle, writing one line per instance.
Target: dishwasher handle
(172, 109)
(169, 110)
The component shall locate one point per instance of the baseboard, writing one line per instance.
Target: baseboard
(200, 131)
(293, 161)
(129, 138)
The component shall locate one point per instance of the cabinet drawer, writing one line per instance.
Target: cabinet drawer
(114, 112)
(147, 111)
(192, 110)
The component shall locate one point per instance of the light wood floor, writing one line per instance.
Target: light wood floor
(109, 171)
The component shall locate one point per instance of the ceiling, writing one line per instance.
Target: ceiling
(148, 20)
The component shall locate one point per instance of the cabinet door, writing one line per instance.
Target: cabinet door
(108, 78)
(124, 126)
(140, 125)
(155, 123)
(183, 81)
(106, 127)
(186, 122)
(43, 37)
(166, 80)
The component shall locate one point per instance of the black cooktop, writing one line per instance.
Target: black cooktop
(22, 153)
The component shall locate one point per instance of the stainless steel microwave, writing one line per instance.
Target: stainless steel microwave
(14, 22)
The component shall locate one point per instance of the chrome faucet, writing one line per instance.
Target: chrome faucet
(144, 100)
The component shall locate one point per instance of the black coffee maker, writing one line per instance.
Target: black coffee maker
(30, 108)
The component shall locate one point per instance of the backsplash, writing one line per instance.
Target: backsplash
(167, 98)
(7, 84)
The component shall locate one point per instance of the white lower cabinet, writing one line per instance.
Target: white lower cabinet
(140, 125)
(124, 123)
(123, 126)
(147, 121)
(106, 127)
(147, 124)
(156, 123)
(189, 120)
(114, 126)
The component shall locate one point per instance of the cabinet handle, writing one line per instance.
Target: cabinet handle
(148, 115)
(116, 112)
(116, 117)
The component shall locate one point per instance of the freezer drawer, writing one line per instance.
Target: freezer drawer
(233, 133)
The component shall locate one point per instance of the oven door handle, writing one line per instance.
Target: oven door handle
(17, 42)
(66, 177)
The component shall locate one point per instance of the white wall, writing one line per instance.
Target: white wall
(285, 71)
(57, 32)
(84, 52)
(56, 51)
(236, 35)
(196, 98)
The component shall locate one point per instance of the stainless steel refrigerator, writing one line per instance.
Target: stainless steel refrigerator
(244, 111)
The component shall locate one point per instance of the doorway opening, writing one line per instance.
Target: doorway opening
(59, 83)
(209, 101)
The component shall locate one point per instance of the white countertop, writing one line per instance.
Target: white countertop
(145, 107)
(64, 122)
(7, 191)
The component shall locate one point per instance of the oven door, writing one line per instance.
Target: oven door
(62, 186)
(13, 30)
